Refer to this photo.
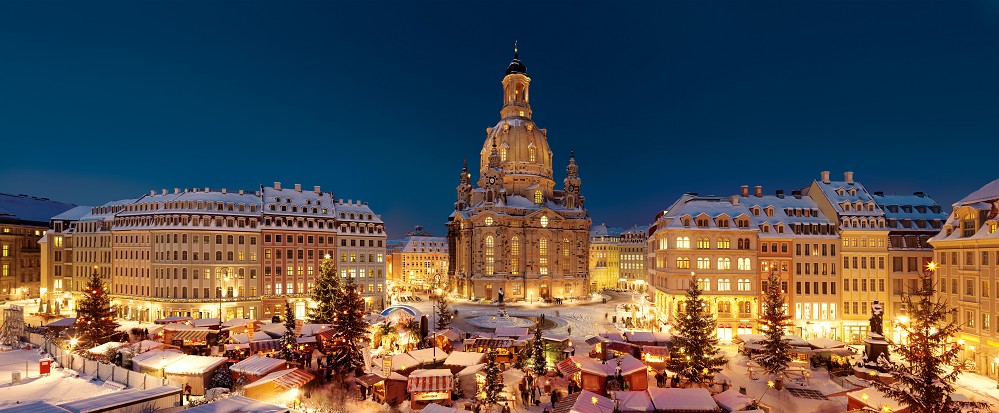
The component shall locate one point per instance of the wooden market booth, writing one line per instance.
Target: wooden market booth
(430, 387)
(279, 387)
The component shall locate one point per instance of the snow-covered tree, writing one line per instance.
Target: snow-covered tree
(350, 330)
(95, 320)
(538, 351)
(491, 386)
(222, 378)
(695, 353)
(927, 371)
(776, 348)
(324, 293)
(289, 342)
(457, 392)
(444, 312)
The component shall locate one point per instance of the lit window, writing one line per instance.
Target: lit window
(538, 198)
(703, 263)
(743, 285)
(724, 263)
(724, 243)
(724, 285)
(514, 255)
(533, 154)
(489, 221)
(544, 221)
(703, 243)
(543, 256)
(683, 242)
(490, 258)
(682, 262)
(744, 264)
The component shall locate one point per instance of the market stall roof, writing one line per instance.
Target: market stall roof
(511, 332)
(651, 337)
(403, 361)
(428, 355)
(634, 402)
(822, 342)
(620, 346)
(173, 319)
(450, 334)
(471, 369)
(257, 365)
(65, 322)
(238, 322)
(584, 402)
(731, 400)
(512, 377)
(236, 404)
(463, 358)
(436, 380)
(205, 322)
(194, 364)
(554, 337)
(436, 408)
(875, 399)
(662, 351)
(370, 379)
(120, 399)
(749, 338)
(146, 345)
(682, 400)
(157, 359)
(571, 365)
(629, 365)
(104, 348)
(312, 329)
(192, 335)
(237, 346)
(286, 379)
(245, 338)
(594, 340)
(493, 342)
(33, 407)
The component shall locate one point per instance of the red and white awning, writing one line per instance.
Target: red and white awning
(438, 380)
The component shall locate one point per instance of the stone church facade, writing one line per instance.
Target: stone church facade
(513, 232)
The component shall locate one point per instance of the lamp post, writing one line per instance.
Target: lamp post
(72, 345)
(222, 281)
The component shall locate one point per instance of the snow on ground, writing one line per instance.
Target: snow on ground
(55, 388)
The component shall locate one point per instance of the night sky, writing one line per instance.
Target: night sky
(382, 101)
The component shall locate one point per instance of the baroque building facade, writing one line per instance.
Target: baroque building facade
(418, 262)
(23, 220)
(206, 253)
(513, 231)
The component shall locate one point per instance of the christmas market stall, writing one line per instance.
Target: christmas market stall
(127, 401)
(195, 371)
(471, 378)
(622, 373)
(255, 367)
(683, 400)
(459, 360)
(238, 404)
(430, 386)
(633, 402)
(506, 348)
(154, 361)
(404, 363)
(584, 402)
(279, 387)
(733, 401)
(655, 356)
(381, 389)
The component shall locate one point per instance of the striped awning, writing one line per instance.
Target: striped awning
(620, 346)
(264, 345)
(191, 335)
(441, 383)
(493, 342)
(294, 379)
(568, 367)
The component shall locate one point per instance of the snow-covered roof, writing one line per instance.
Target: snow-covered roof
(190, 364)
(238, 322)
(257, 365)
(73, 214)
(245, 338)
(989, 192)
(307, 203)
(875, 399)
(731, 400)
(205, 322)
(238, 404)
(145, 345)
(427, 355)
(404, 361)
(156, 359)
(312, 329)
(436, 408)
(33, 407)
(419, 243)
(629, 365)
(586, 402)
(512, 377)
(462, 358)
(65, 322)
(682, 400)
(822, 342)
(119, 399)
(30, 209)
(634, 402)
(104, 348)
(471, 369)
(603, 230)
(288, 379)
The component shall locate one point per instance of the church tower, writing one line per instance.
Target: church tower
(514, 230)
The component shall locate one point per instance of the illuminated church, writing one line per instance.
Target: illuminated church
(513, 232)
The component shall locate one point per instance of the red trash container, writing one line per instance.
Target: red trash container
(44, 366)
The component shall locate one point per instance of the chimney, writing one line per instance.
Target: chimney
(223, 190)
(207, 189)
(745, 190)
(796, 193)
(780, 193)
(316, 188)
(879, 193)
(152, 192)
(734, 199)
(848, 177)
(176, 191)
(164, 191)
(277, 185)
(350, 201)
(825, 177)
(241, 192)
(758, 190)
(920, 194)
(298, 187)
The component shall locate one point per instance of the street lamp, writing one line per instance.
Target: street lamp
(72, 345)
(225, 278)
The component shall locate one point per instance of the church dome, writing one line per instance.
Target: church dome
(516, 66)
(522, 147)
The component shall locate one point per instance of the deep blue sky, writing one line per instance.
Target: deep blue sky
(382, 101)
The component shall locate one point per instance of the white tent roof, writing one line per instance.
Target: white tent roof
(731, 400)
(245, 338)
(822, 342)
(118, 399)
(634, 402)
(471, 370)
(156, 359)
(404, 361)
(145, 345)
(685, 400)
(238, 404)
(33, 407)
(511, 377)
(257, 365)
(205, 322)
(462, 358)
(104, 348)
(194, 364)
(584, 403)
(427, 355)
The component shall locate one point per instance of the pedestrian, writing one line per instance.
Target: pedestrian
(364, 392)
(506, 408)
(570, 330)
(605, 316)
(536, 395)
(553, 398)
(187, 392)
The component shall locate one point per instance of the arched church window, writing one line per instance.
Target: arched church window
(543, 256)
(544, 221)
(490, 257)
(533, 154)
(538, 198)
(503, 154)
(514, 255)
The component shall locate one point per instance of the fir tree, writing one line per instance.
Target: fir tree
(324, 293)
(350, 330)
(538, 346)
(95, 320)
(776, 349)
(927, 371)
(694, 353)
(444, 313)
(222, 378)
(288, 340)
(491, 386)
